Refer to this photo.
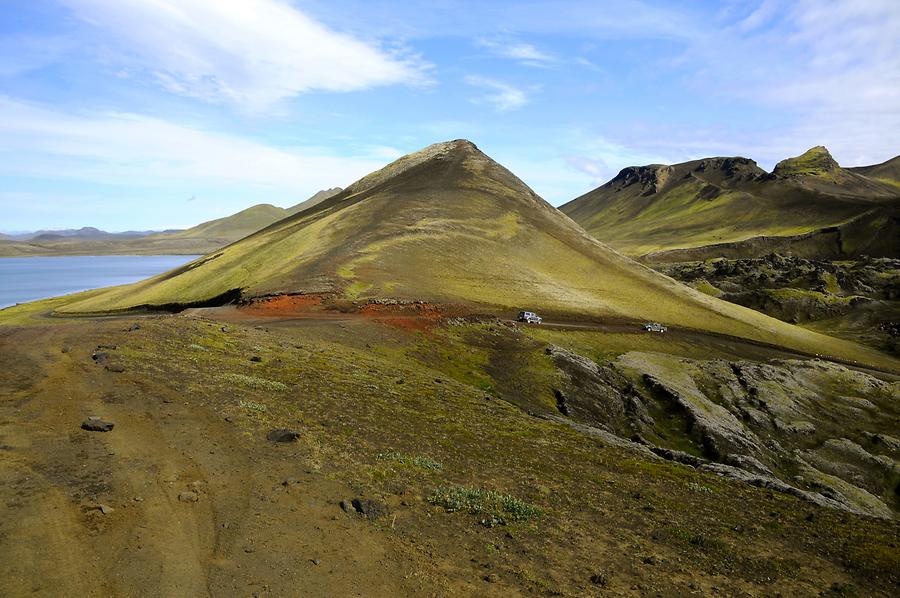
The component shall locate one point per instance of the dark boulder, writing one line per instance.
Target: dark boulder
(283, 435)
(369, 508)
(95, 424)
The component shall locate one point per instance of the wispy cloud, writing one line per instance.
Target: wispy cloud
(502, 96)
(522, 52)
(252, 53)
(124, 148)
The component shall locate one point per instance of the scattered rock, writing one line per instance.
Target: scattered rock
(100, 356)
(66, 349)
(347, 507)
(600, 579)
(95, 424)
(371, 509)
(283, 435)
(115, 367)
(133, 327)
(188, 496)
(492, 578)
(105, 509)
(256, 359)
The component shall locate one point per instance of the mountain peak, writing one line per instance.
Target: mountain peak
(813, 162)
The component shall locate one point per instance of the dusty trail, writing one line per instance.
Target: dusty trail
(246, 535)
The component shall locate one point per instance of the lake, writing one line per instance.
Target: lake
(28, 278)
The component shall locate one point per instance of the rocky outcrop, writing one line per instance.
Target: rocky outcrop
(780, 425)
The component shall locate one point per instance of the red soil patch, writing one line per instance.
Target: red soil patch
(413, 316)
(410, 316)
(283, 305)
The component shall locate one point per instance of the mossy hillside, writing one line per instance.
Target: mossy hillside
(455, 228)
(816, 161)
(699, 206)
(351, 409)
(236, 226)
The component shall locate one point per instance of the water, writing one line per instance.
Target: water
(28, 278)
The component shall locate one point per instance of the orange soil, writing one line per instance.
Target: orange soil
(282, 305)
(410, 316)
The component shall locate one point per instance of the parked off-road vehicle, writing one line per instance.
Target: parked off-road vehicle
(529, 317)
(655, 327)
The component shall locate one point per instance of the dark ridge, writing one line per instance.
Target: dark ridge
(227, 298)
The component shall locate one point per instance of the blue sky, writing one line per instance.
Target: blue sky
(151, 114)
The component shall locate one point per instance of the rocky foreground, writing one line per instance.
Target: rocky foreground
(350, 456)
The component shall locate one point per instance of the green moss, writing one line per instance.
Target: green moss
(493, 507)
(704, 286)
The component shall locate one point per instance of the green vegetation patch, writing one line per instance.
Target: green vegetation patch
(253, 406)
(254, 382)
(494, 508)
(413, 460)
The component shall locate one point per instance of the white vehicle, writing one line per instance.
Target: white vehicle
(655, 327)
(529, 317)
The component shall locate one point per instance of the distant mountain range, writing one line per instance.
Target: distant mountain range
(203, 238)
(86, 233)
(727, 206)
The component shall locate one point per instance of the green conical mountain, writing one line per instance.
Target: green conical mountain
(448, 224)
(707, 206)
(233, 227)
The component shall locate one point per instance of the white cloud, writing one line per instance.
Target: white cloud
(520, 51)
(142, 151)
(248, 52)
(502, 96)
(831, 68)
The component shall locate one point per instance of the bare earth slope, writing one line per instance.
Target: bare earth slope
(449, 225)
(733, 205)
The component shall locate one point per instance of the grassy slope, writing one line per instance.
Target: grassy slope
(608, 514)
(236, 226)
(805, 196)
(313, 201)
(448, 224)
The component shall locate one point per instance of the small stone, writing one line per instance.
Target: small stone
(138, 499)
(115, 367)
(105, 509)
(347, 507)
(599, 579)
(370, 508)
(188, 496)
(133, 327)
(492, 578)
(66, 349)
(95, 424)
(316, 562)
(283, 435)
(100, 356)
(256, 359)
